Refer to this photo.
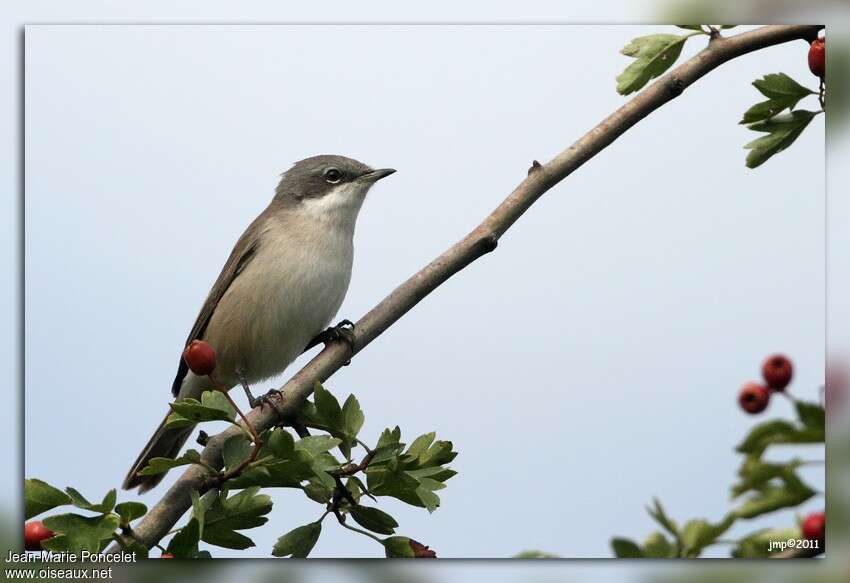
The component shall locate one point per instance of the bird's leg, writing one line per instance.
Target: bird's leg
(255, 402)
(252, 401)
(343, 331)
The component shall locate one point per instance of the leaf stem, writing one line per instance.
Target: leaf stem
(341, 520)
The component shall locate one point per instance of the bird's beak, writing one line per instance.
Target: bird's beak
(376, 175)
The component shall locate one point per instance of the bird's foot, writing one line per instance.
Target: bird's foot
(267, 399)
(342, 332)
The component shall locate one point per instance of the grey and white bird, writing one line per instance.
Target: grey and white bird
(280, 288)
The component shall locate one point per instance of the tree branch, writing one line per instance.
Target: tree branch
(480, 241)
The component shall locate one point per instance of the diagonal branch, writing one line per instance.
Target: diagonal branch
(480, 241)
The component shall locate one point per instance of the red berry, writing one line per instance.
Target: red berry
(200, 357)
(817, 58)
(777, 372)
(166, 556)
(814, 526)
(421, 551)
(34, 533)
(754, 398)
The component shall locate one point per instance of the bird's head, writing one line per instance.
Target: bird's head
(328, 186)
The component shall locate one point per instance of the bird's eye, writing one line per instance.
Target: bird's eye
(333, 175)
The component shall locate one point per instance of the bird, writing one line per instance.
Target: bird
(278, 291)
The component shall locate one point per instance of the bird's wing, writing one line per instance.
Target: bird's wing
(241, 255)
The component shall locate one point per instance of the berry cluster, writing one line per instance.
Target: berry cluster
(776, 372)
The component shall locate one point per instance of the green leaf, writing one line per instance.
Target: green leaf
(754, 474)
(229, 539)
(39, 496)
(318, 492)
(420, 444)
(690, 27)
(654, 53)
(106, 505)
(316, 444)
(298, 542)
(776, 432)
(771, 498)
(198, 412)
(327, 406)
(698, 534)
(398, 547)
(235, 450)
(184, 544)
(281, 443)
(130, 511)
(782, 93)
(218, 400)
(76, 533)
(656, 546)
(626, 549)
(656, 511)
(780, 86)
(782, 131)
(159, 465)
(200, 506)
(352, 417)
(536, 555)
(247, 509)
(373, 519)
(812, 415)
(755, 545)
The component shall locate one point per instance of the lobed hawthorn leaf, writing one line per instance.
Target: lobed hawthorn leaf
(39, 496)
(159, 465)
(197, 412)
(698, 534)
(755, 473)
(626, 549)
(317, 444)
(76, 533)
(130, 511)
(298, 543)
(654, 54)
(782, 93)
(342, 422)
(782, 130)
(184, 544)
(770, 498)
(777, 432)
(755, 545)
(812, 415)
(373, 519)
(244, 510)
(781, 86)
(105, 506)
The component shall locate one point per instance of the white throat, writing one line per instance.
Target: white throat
(339, 207)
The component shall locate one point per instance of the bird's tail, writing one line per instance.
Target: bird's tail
(164, 443)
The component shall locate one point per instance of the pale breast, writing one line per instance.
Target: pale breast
(286, 295)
